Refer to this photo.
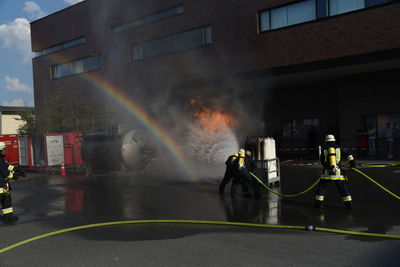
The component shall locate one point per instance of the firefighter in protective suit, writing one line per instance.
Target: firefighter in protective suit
(7, 172)
(331, 157)
(245, 166)
(230, 170)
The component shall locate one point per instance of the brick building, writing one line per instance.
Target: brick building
(311, 65)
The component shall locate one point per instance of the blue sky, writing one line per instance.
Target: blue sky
(16, 82)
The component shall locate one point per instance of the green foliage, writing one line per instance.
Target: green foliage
(58, 116)
(31, 125)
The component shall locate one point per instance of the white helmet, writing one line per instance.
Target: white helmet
(3, 146)
(330, 138)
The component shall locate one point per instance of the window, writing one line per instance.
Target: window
(75, 67)
(301, 12)
(288, 15)
(301, 129)
(342, 6)
(265, 21)
(62, 46)
(310, 10)
(171, 12)
(173, 43)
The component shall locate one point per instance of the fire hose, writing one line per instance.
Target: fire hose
(238, 224)
(284, 195)
(380, 165)
(316, 182)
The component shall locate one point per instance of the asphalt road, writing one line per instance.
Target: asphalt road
(49, 202)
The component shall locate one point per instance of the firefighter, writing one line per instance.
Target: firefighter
(237, 178)
(230, 170)
(7, 172)
(331, 158)
(245, 166)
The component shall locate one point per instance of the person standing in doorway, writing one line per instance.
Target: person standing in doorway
(388, 135)
(372, 139)
(362, 141)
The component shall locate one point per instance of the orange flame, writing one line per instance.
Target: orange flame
(210, 119)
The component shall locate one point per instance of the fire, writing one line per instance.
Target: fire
(212, 120)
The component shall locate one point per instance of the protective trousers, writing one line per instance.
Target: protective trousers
(341, 185)
(247, 180)
(229, 174)
(238, 180)
(6, 204)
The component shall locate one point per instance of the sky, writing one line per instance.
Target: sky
(16, 81)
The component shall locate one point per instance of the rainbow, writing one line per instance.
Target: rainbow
(133, 108)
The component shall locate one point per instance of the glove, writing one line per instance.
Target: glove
(19, 173)
(352, 164)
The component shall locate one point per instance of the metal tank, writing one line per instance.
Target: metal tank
(137, 151)
(104, 153)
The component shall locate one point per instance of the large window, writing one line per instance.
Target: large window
(173, 43)
(343, 6)
(75, 67)
(288, 15)
(59, 47)
(171, 12)
(309, 10)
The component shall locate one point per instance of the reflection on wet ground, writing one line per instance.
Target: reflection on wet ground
(128, 198)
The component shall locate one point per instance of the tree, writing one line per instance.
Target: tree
(31, 124)
(59, 117)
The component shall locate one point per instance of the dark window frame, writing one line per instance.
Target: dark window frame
(206, 43)
(75, 73)
(322, 12)
(142, 20)
(60, 47)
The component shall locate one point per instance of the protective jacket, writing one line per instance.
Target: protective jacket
(331, 158)
(231, 160)
(6, 172)
(332, 170)
(230, 171)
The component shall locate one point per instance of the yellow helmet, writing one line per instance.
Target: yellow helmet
(3, 146)
(330, 138)
(241, 151)
(248, 153)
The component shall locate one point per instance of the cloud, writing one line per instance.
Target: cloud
(72, 2)
(15, 103)
(16, 36)
(33, 10)
(14, 85)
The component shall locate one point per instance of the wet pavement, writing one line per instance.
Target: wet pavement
(49, 202)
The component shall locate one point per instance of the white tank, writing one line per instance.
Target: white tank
(136, 150)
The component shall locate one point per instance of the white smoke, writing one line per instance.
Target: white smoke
(209, 150)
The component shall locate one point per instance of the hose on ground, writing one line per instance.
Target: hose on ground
(240, 224)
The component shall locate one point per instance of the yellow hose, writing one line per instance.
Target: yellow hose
(380, 165)
(225, 223)
(275, 226)
(284, 195)
(375, 182)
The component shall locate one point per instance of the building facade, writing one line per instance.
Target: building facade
(312, 67)
(9, 119)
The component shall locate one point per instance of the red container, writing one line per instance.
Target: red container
(41, 152)
(12, 155)
(72, 149)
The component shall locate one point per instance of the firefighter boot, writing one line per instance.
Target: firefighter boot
(348, 205)
(9, 219)
(318, 205)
